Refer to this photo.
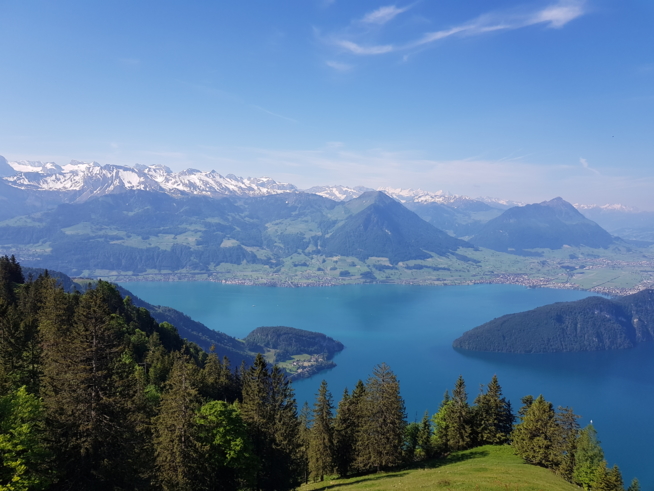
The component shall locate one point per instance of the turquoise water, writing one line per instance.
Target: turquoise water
(412, 328)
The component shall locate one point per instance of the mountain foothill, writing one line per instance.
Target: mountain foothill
(84, 218)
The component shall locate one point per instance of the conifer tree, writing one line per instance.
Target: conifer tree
(527, 401)
(441, 426)
(537, 438)
(270, 411)
(607, 479)
(567, 421)
(175, 433)
(492, 415)
(87, 389)
(410, 447)
(346, 428)
(634, 486)
(382, 432)
(459, 418)
(588, 458)
(425, 436)
(303, 438)
(217, 380)
(321, 441)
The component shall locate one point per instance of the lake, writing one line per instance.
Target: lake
(412, 328)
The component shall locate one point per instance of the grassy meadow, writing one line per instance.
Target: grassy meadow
(487, 468)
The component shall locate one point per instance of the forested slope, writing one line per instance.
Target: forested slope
(590, 324)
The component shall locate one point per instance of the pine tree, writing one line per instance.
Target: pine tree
(441, 427)
(382, 432)
(527, 401)
(321, 441)
(425, 436)
(537, 438)
(217, 382)
(588, 457)
(459, 418)
(303, 438)
(492, 416)
(87, 388)
(634, 486)
(410, 447)
(175, 433)
(608, 479)
(346, 429)
(270, 411)
(567, 421)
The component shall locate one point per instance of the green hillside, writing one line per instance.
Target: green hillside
(482, 468)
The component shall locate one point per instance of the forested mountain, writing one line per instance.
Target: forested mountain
(140, 231)
(590, 324)
(550, 224)
(292, 341)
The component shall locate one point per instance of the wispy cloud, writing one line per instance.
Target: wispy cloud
(263, 109)
(341, 67)
(584, 163)
(364, 50)
(553, 16)
(383, 14)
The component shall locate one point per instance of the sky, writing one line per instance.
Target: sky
(523, 100)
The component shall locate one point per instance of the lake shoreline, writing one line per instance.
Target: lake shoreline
(502, 279)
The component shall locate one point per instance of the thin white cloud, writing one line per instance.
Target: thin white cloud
(560, 14)
(383, 14)
(555, 16)
(262, 109)
(364, 50)
(584, 163)
(341, 67)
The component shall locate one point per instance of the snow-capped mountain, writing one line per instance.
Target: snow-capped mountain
(78, 181)
(338, 193)
(607, 207)
(83, 180)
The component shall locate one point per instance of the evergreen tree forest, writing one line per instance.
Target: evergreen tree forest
(96, 395)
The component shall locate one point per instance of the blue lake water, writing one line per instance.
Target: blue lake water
(412, 328)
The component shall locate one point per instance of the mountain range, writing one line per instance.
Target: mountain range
(84, 218)
(35, 186)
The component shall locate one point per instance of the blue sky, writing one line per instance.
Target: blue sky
(522, 100)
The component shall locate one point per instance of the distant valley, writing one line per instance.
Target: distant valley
(149, 223)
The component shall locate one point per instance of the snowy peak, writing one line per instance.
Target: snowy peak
(607, 207)
(338, 192)
(83, 180)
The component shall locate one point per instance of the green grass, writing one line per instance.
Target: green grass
(483, 468)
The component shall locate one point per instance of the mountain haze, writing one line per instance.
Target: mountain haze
(550, 224)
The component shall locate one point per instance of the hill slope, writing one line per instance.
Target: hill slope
(488, 468)
(550, 224)
(141, 231)
(590, 324)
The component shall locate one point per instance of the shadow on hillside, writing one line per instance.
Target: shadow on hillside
(367, 478)
(432, 464)
(452, 459)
